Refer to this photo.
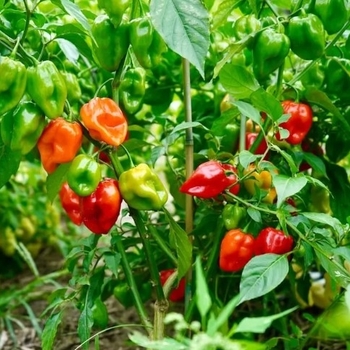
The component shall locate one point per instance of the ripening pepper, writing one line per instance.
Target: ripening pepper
(260, 179)
(208, 180)
(337, 77)
(12, 83)
(146, 42)
(115, 9)
(59, 143)
(142, 189)
(250, 138)
(269, 51)
(178, 292)
(228, 135)
(83, 175)
(132, 89)
(104, 120)
(237, 248)
(273, 241)
(299, 123)
(22, 127)
(306, 35)
(110, 43)
(245, 25)
(73, 87)
(232, 215)
(100, 210)
(71, 203)
(333, 14)
(47, 88)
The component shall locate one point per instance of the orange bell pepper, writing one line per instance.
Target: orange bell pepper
(59, 143)
(104, 120)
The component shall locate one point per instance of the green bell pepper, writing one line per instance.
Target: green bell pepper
(147, 44)
(84, 175)
(115, 9)
(333, 14)
(73, 87)
(233, 215)
(132, 89)
(110, 43)
(12, 83)
(307, 36)
(314, 76)
(245, 25)
(22, 127)
(337, 78)
(47, 88)
(142, 189)
(269, 51)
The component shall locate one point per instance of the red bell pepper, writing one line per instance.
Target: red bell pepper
(250, 137)
(177, 293)
(100, 210)
(271, 240)
(71, 203)
(299, 123)
(210, 179)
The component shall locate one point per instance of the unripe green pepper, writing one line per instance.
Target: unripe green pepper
(73, 87)
(313, 76)
(142, 189)
(111, 43)
(84, 174)
(245, 25)
(132, 89)
(46, 87)
(22, 127)
(269, 51)
(12, 83)
(232, 215)
(147, 44)
(333, 14)
(337, 77)
(115, 9)
(307, 36)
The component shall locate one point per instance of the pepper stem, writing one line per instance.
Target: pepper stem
(132, 284)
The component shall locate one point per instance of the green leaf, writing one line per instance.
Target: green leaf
(265, 102)
(222, 10)
(249, 111)
(260, 324)
(224, 315)
(184, 26)
(186, 125)
(9, 163)
(182, 245)
(293, 168)
(245, 158)
(55, 181)
(325, 219)
(50, 330)
(254, 214)
(321, 99)
(164, 344)
(112, 260)
(262, 274)
(316, 163)
(203, 299)
(85, 323)
(287, 186)
(73, 9)
(238, 81)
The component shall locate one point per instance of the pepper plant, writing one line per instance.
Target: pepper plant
(214, 132)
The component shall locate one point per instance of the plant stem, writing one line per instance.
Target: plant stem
(189, 168)
(132, 284)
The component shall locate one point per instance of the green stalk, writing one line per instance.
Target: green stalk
(132, 284)
(161, 243)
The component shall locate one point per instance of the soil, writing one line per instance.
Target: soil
(26, 338)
